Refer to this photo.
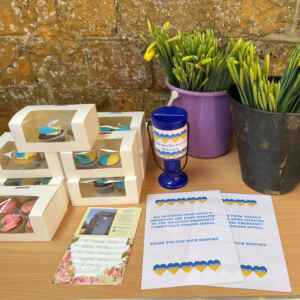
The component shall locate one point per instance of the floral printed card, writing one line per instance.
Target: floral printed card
(99, 252)
(92, 261)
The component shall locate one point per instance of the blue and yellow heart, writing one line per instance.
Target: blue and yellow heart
(170, 138)
(187, 267)
(240, 202)
(260, 271)
(191, 200)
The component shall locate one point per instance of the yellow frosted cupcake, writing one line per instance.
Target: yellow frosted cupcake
(26, 159)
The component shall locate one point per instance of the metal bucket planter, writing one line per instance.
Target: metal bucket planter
(269, 148)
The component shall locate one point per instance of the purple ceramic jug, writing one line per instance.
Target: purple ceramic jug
(209, 117)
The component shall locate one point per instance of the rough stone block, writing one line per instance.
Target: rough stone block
(184, 15)
(279, 53)
(159, 76)
(9, 54)
(115, 65)
(88, 17)
(126, 99)
(23, 16)
(254, 17)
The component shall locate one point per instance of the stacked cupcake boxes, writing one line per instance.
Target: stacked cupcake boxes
(113, 171)
(103, 164)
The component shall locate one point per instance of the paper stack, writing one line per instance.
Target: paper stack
(209, 238)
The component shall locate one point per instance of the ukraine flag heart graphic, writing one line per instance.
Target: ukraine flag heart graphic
(187, 266)
(160, 269)
(214, 264)
(200, 265)
(260, 271)
(246, 270)
(173, 267)
(160, 202)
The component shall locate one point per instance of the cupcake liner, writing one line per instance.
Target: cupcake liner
(105, 189)
(33, 164)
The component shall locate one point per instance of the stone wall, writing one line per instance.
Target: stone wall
(73, 51)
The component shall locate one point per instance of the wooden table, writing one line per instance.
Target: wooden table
(27, 269)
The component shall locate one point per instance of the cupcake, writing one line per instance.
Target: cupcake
(12, 223)
(120, 185)
(27, 206)
(85, 160)
(26, 159)
(8, 206)
(13, 182)
(103, 185)
(42, 181)
(51, 134)
(109, 160)
(105, 129)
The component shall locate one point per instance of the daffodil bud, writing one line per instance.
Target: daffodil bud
(149, 54)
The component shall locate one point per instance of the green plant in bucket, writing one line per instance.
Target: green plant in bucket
(194, 61)
(257, 90)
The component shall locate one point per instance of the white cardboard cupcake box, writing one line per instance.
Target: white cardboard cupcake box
(83, 192)
(49, 166)
(46, 214)
(135, 121)
(78, 123)
(123, 145)
(28, 181)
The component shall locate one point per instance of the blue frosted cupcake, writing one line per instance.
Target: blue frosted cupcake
(51, 134)
(106, 129)
(85, 160)
(26, 160)
(120, 185)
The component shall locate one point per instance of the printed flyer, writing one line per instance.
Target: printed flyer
(188, 241)
(100, 249)
(253, 224)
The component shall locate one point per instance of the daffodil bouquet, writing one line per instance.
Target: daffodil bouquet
(194, 61)
(251, 76)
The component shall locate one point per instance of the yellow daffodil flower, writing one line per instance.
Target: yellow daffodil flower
(150, 52)
(167, 25)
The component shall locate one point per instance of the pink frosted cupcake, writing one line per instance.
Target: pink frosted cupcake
(12, 223)
(8, 206)
(27, 206)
